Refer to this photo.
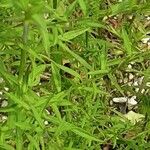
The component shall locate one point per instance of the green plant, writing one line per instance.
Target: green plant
(48, 109)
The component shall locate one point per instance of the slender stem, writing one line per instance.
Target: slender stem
(86, 38)
(21, 75)
(145, 122)
(23, 51)
(54, 4)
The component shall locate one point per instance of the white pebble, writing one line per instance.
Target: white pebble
(140, 80)
(46, 122)
(148, 18)
(142, 91)
(132, 101)
(6, 88)
(148, 84)
(120, 99)
(135, 83)
(145, 40)
(137, 90)
(129, 66)
(131, 76)
(47, 112)
(120, 81)
(46, 15)
(125, 80)
(4, 118)
(38, 94)
(4, 103)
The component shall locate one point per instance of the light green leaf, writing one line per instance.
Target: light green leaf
(56, 76)
(127, 42)
(37, 116)
(43, 29)
(18, 100)
(83, 6)
(84, 134)
(33, 141)
(34, 76)
(72, 34)
(68, 70)
(80, 59)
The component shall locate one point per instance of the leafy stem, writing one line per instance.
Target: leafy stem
(23, 51)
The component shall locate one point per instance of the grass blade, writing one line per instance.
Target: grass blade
(68, 70)
(127, 42)
(56, 76)
(80, 59)
(72, 34)
(83, 6)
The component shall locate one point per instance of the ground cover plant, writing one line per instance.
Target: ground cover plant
(74, 74)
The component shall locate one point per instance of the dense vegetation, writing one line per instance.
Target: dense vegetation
(62, 63)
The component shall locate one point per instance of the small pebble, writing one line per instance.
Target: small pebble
(131, 76)
(38, 94)
(4, 103)
(129, 66)
(132, 101)
(135, 83)
(145, 40)
(148, 18)
(142, 91)
(120, 99)
(120, 81)
(125, 80)
(3, 119)
(46, 122)
(140, 80)
(6, 89)
(148, 84)
(137, 90)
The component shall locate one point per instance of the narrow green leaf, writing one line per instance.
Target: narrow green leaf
(115, 83)
(92, 24)
(127, 42)
(98, 72)
(91, 89)
(55, 35)
(70, 9)
(17, 100)
(37, 116)
(80, 59)
(83, 6)
(33, 141)
(72, 34)
(5, 146)
(23, 125)
(68, 70)
(83, 133)
(6, 75)
(43, 29)
(6, 109)
(58, 97)
(56, 111)
(34, 76)
(56, 76)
